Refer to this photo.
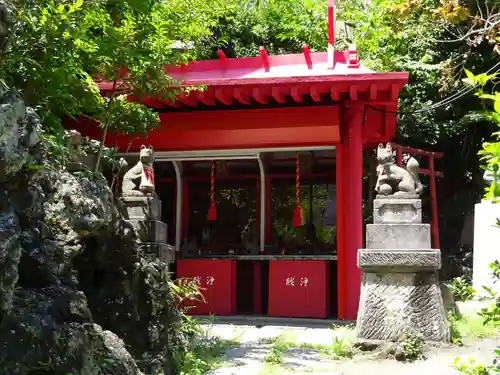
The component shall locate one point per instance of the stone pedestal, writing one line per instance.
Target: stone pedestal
(144, 214)
(486, 245)
(400, 291)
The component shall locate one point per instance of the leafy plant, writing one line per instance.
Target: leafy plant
(470, 366)
(461, 289)
(274, 356)
(341, 348)
(455, 331)
(412, 346)
(490, 153)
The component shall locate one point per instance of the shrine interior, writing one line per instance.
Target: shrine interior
(235, 234)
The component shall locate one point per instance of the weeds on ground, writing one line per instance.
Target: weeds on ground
(204, 350)
(340, 348)
(470, 328)
(274, 357)
(206, 355)
(412, 346)
(469, 366)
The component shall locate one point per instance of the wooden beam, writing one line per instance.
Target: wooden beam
(203, 97)
(259, 96)
(242, 96)
(373, 91)
(315, 95)
(334, 93)
(353, 92)
(278, 95)
(296, 94)
(222, 97)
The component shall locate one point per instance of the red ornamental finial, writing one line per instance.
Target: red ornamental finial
(331, 33)
(353, 58)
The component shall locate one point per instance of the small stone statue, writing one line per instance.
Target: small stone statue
(139, 180)
(393, 180)
(75, 150)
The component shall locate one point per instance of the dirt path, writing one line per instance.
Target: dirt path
(253, 357)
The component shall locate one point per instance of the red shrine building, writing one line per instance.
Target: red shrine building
(260, 177)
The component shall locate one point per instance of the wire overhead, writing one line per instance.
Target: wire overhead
(443, 102)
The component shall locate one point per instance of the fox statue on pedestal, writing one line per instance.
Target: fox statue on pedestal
(139, 180)
(394, 180)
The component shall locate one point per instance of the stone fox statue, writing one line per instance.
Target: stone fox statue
(394, 180)
(139, 180)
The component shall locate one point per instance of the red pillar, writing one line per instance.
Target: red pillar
(342, 286)
(353, 206)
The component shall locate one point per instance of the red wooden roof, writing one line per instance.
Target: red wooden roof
(256, 80)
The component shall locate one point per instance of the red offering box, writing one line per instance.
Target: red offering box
(298, 288)
(217, 281)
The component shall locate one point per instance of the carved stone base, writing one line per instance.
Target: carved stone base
(398, 261)
(142, 207)
(397, 211)
(150, 230)
(393, 305)
(398, 236)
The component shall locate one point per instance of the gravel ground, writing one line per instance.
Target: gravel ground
(248, 358)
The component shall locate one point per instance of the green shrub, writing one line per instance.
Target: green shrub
(461, 289)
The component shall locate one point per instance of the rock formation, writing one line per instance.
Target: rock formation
(77, 295)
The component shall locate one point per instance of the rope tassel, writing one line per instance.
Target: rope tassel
(298, 214)
(212, 212)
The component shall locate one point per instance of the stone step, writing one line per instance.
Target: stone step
(398, 236)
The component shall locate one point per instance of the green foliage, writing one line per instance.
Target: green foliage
(470, 328)
(470, 366)
(405, 36)
(491, 314)
(461, 289)
(412, 347)
(455, 331)
(204, 350)
(205, 355)
(280, 26)
(340, 348)
(490, 153)
(490, 322)
(274, 356)
(55, 50)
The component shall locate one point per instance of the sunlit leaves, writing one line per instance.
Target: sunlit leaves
(452, 11)
(490, 153)
(58, 46)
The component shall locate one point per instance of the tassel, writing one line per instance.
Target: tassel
(212, 212)
(298, 213)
